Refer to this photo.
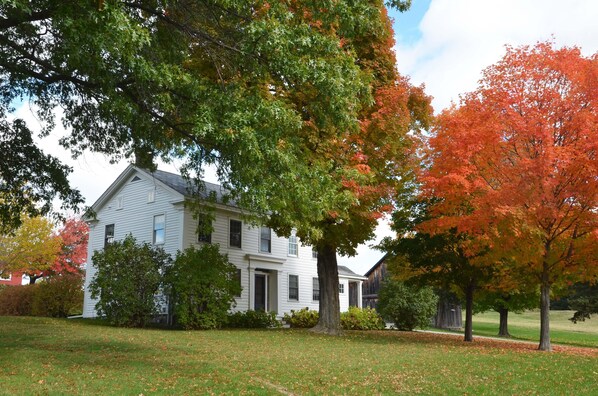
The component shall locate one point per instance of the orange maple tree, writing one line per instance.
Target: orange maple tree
(516, 167)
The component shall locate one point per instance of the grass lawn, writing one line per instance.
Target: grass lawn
(526, 326)
(51, 356)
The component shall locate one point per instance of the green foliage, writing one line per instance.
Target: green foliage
(202, 286)
(58, 297)
(407, 306)
(17, 300)
(127, 281)
(304, 318)
(362, 319)
(584, 301)
(253, 320)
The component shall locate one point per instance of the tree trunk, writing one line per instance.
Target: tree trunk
(545, 311)
(330, 315)
(469, 313)
(503, 328)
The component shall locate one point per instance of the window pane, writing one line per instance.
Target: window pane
(108, 234)
(316, 289)
(293, 245)
(293, 287)
(265, 240)
(235, 233)
(204, 230)
(159, 222)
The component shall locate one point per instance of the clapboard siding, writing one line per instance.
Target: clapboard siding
(136, 217)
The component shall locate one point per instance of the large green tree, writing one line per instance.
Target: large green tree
(296, 103)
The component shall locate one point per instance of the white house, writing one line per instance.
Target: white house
(276, 273)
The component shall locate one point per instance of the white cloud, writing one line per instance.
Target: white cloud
(459, 38)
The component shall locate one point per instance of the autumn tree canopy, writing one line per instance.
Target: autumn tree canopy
(514, 166)
(221, 83)
(31, 249)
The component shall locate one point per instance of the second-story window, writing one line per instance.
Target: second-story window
(159, 226)
(265, 240)
(204, 230)
(108, 235)
(234, 239)
(293, 245)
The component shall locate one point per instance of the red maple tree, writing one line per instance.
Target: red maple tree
(73, 254)
(515, 167)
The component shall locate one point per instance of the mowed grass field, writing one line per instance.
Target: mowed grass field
(526, 326)
(53, 356)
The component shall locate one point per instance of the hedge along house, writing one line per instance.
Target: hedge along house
(276, 273)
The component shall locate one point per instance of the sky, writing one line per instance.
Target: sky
(444, 44)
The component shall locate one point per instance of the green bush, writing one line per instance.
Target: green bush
(202, 286)
(17, 300)
(253, 320)
(304, 318)
(58, 297)
(406, 306)
(362, 319)
(127, 281)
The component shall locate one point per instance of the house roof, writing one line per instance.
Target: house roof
(379, 263)
(347, 273)
(184, 187)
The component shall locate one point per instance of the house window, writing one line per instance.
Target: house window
(265, 240)
(204, 230)
(294, 287)
(151, 196)
(293, 245)
(6, 277)
(234, 239)
(341, 288)
(120, 201)
(108, 235)
(316, 289)
(314, 253)
(159, 224)
(238, 278)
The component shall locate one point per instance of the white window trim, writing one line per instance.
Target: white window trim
(259, 247)
(289, 288)
(228, 234)
(2, 277)
(154, 230)
(296, 243)
(151, 196)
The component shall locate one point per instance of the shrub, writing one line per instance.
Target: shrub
(253, 320)
(362, 319)
(304, 318)
(58, 297)
(127, 281)
(17, 300)
(202, 285)
(406, 306)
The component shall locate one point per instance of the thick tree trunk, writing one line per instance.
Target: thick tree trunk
(503, 328)
(330, 316)
(545, 311)
(469, 313)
